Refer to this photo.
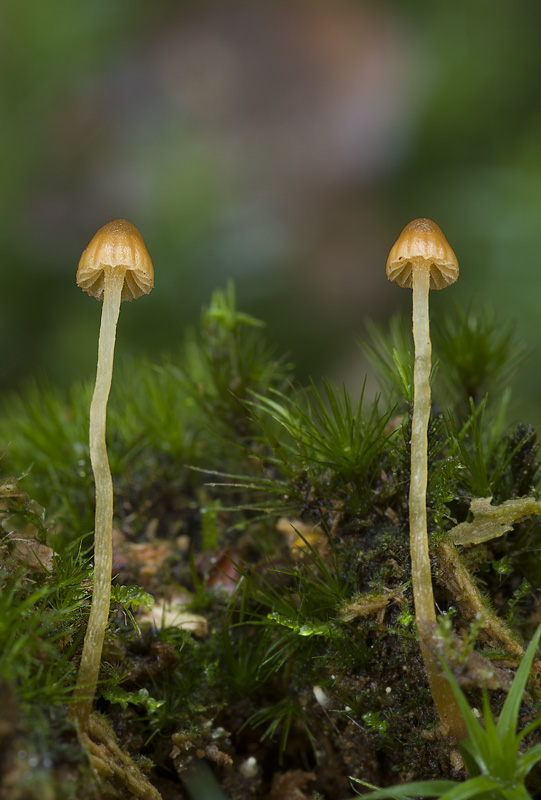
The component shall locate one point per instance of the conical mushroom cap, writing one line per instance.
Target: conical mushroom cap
(420, 245)
(117, 244)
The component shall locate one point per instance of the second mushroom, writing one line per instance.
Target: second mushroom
(422, 259)
(114, 267)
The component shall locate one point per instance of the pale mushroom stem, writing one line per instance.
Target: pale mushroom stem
(423, 596)
(420, 560)
(87, 677)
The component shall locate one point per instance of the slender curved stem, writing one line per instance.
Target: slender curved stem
(87, 677)
(420, 560)
(423, 596)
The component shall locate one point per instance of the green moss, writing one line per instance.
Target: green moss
(310, 635)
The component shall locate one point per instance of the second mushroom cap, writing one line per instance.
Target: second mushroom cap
(117, 245)
(422, 244)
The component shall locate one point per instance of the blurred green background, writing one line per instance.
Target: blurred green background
(281, 144)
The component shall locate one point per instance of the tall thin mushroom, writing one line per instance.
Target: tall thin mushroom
(114, 267)
(422, 259)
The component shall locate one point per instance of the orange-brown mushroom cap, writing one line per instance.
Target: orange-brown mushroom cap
(117, 244)
(422, 244)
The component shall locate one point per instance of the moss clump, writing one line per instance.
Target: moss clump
(270, 526)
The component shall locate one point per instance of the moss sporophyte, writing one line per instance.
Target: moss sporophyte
(114, 267)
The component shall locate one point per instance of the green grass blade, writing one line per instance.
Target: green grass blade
(472, 788)
(500, 759)
(508, 718)
(477, 744)
(517, 793)
(528, 760)
(411, 790)
(528, 729)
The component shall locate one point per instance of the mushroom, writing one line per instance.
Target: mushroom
(422, 259)
(114, 267)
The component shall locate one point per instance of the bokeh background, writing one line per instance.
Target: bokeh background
(281, 144)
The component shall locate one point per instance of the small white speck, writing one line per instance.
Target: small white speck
(322, 698)
(249, 767)
(388, 689)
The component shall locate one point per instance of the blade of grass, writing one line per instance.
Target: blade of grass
(510, 711)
